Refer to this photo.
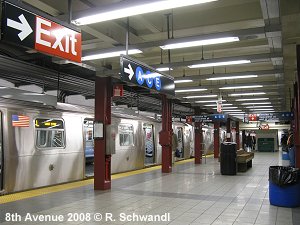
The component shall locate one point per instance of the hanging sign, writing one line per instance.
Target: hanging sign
(269, 117)
(142, 75)
(219, 104)
(209, 118)
(23, 27)
(118, 90)
(189, 119)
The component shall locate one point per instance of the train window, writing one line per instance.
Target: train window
(50, 133)
(126, 134)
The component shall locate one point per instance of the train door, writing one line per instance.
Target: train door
(149, 144)
(1, 155)
(88, 146)
(179, 133)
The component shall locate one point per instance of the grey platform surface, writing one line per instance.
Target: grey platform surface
(190, 194)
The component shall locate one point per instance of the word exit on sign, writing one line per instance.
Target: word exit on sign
(28, 29)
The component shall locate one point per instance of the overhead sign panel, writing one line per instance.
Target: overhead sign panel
(28, 29)
(269, 117)
(210, 118)
(138, 73)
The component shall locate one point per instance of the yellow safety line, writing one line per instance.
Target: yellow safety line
(62, 187)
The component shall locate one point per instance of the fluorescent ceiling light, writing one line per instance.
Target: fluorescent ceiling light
(200, 43)
(240, 87)
(231, 110)
(136, 10)
(216, 104)
(256, 103)
(231, 77)
(245, 94)
(201, 96)
(190, 90)
(259, 106)
(250, 99)
(226, 63)
(182, 81)
(163, 69)
(261, 109)
(208, 101)
(110, 54)
(230, 107)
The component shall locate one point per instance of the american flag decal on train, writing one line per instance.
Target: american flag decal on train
(20, 121)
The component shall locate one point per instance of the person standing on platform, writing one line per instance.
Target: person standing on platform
(253, 142)
(283, 141)
(174, 146)
(291, 148)
(249, 143)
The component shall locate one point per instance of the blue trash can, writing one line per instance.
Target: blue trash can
(284, 196)
(284, 186)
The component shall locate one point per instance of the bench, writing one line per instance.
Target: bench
(244, 160)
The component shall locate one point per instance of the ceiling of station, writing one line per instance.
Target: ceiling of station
(268, 32)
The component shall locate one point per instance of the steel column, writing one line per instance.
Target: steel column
(165, 135)
(198, 147)
(216, 139)
(102, 162)
(237, 130)
(198, 142)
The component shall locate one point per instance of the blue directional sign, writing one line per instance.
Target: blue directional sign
(209, 118)
(138, 73)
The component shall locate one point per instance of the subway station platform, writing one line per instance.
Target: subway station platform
(189, 195)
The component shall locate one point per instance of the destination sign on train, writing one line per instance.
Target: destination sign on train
(48, 124)
(209, 118)
(269, 117)
(25, 28)
(140, 74)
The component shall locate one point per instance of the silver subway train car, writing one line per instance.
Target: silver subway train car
(42, 145)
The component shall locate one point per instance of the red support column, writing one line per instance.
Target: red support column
(237, 129)
(198, 142)
(216, 139)
(165, 135)
(102, 173)
(228, 130)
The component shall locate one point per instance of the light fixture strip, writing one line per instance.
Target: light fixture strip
(223, 104)
(110, 54)
(259, 106)
(225, 63)
(204, 101)
(251, 99)
(164, 69)
(232, 77)
(128, 11)
(190, 90)
(188, 44)
(241, 87)
(201, 96)
(256, 103)
(232, 107)
(182, 81)
(266, 109)
(247, 94)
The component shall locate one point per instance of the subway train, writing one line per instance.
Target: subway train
(43, 145)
